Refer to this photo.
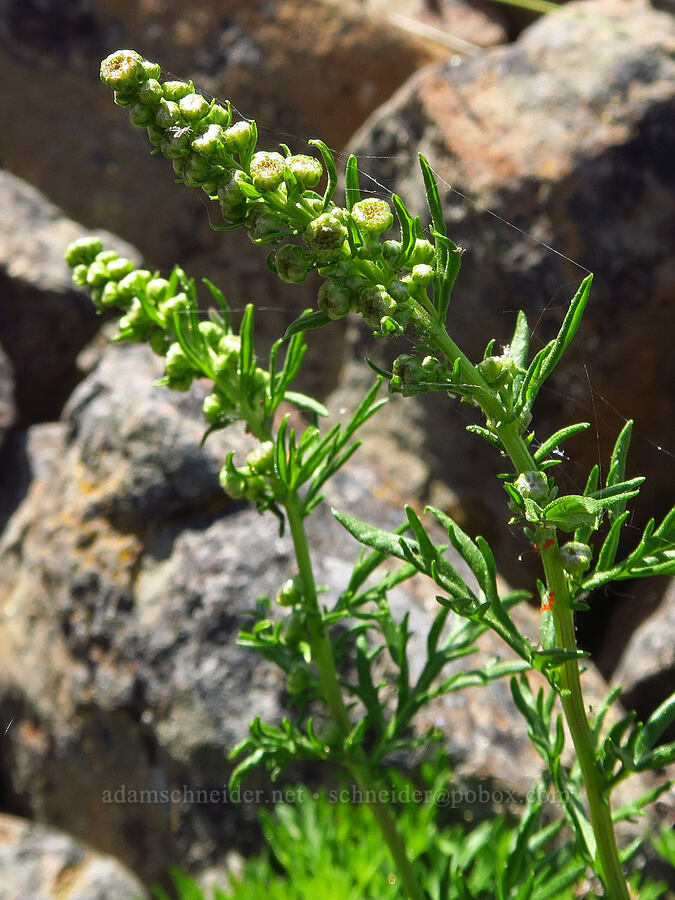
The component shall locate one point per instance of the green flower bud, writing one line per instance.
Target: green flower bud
(267, 170)
(239, 137)
(292, 263)
(119, 268)
(106, 256)
(215, 407)
(423, 253)
(123, 71)
(230, 194)
(399, 291)
(430, 365)
(211, 333)
(325, 235)
(141, 115)
(179, 373)
(334, 299)
(150, 93)
(109, 296)
(533, 486)
(306, 169)
(176, 143)
(372, 216)
(97, 274)
(219, 115)
(390, 327)
(261, 379)
(83, 251)
(575, 557)
(374, 302)
(198, 171)
(391, 251)
(232, 482)
(155, 135)
(263, 226)
(209, 143)
(409, 369)
(227, 361)
(152, 70)
(496, 369)
(422, 275)
(134, 326)
(299, 679)
(193, 107)
(177, 304)
(134, 283)
(157, 289)
(256, 488)
(120, 98)
(261, 459)
(167, 114)
(176, 90)
(80, 274)
(290, 592)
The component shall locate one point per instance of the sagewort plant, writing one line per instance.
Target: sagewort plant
(399, 286)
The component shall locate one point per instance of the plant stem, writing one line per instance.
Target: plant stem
(584, 745)
(322, 656)
(563, 617)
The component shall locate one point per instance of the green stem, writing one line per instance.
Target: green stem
(322, 655)
(584, 744)
(563, 616)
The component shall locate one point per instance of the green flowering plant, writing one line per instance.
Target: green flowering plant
(399, 286)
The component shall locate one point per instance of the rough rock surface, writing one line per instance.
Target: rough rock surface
(44, 321)
(575, 148)
(647, 668)
(6, 396)
(41, 864)
(124, 579)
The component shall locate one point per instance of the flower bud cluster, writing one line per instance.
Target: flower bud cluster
(272, 196)
(147, 301)
(150, 305)
(410, 374)
(255, 480)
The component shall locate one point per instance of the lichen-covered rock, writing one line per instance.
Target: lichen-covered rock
(568, 134)
(44, 320)
(41, 864)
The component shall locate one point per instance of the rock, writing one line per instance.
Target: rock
(42, 863)
(573, 148)
(121, 674)
(44, 321)
(6, 396)
(303, 70)
(646, 669)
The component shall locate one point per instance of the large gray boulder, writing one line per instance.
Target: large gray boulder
(44, 320)
(568, 134)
